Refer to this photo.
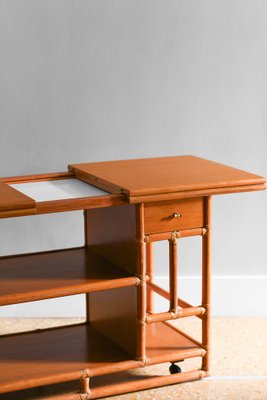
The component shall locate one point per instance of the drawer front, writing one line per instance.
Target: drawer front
(166, 216)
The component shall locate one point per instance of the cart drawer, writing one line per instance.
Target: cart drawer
(173, 215)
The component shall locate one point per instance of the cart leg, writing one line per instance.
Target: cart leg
(206, 282)
(150, 274)
(141, 288)
(85, 388)
(173, 272)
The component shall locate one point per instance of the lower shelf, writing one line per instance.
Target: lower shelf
(106, 385)
(56, 355)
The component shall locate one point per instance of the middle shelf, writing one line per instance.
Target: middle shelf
(51, 274)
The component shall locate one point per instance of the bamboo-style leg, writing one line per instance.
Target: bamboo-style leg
(85, 391)
(206, 282)
(173, 271)
(150, 274)
(141, 288)
(85, 385)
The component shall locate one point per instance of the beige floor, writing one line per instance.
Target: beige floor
(238, 362)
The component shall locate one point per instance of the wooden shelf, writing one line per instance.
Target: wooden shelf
(166, 343)
(31, 359)
(59, 354)
(51, 274)
(105, 385)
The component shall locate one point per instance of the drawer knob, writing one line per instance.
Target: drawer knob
(176, 215)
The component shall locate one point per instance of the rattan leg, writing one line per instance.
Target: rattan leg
(206, 281)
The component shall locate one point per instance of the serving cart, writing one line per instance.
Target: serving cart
(128, 206)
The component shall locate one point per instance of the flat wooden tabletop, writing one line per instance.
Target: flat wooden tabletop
(154, 176)
(133, 181)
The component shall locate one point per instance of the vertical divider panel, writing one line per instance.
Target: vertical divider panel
(111, 233)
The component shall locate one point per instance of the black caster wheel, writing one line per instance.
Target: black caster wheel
(175, 369)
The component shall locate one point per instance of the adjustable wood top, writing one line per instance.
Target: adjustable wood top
(180, 176)
(125, 181)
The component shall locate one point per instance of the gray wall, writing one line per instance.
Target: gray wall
(98, 80)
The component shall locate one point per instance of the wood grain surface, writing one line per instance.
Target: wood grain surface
(55, 355)
(60, 354)
(139, 177)
(11, 199)
(175, 215)
(51, 274)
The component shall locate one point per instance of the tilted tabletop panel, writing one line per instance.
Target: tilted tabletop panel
(12, 200)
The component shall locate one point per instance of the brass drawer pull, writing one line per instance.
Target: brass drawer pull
(176, 215)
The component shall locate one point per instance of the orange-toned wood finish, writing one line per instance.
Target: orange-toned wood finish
(111, 233)
(154, 176)
(11, 200)
(206, 283)
(184, 310)
(38, 177)
(150, 200)
(173, 274)
(149, 275)
(16, 204)
(131, 383)
(113, 313)
(54, 206)
(107, 385)
(142, 288)
(68, 353)
(156, 237)
(168, 216)
(56, 355)
(51, 274)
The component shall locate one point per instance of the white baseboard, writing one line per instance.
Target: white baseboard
(65, 307)
(242, 296)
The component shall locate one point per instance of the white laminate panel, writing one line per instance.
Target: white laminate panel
(58, 189)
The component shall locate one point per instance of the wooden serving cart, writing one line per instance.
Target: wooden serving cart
(128, 205)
